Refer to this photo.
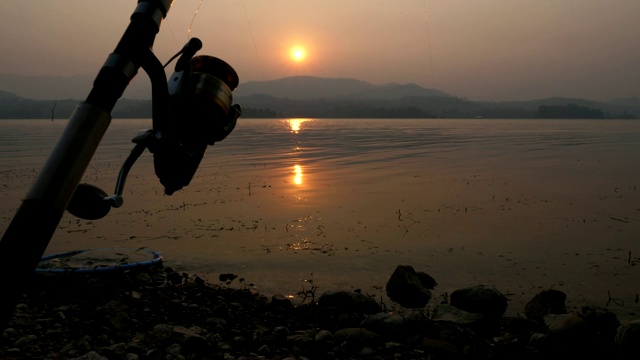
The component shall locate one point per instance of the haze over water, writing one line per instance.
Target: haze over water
(524, 205)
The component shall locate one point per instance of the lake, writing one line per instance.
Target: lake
(287, 204)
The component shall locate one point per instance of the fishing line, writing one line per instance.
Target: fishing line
(568, 48)
(26, 23)
(253, 39)
(175, 41)
(192, 19)
(426, 21)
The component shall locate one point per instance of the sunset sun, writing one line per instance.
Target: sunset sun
(298, 54)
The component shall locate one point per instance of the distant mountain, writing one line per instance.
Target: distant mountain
(297, 87)
(5, 95)
(614, 108)
(630, 101)
(301, 96)
(310, 87)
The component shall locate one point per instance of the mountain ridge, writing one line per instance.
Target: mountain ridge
(308, 96)
(310, 87)
(78, 87)
(294, 87)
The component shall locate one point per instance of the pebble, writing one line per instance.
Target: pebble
(25, 341)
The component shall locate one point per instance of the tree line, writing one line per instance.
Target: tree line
(269, 107)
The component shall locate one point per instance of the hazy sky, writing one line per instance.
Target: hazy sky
(479, 49)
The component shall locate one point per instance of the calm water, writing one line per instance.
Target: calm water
(521, 204)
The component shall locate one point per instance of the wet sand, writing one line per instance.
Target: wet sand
(280, 210)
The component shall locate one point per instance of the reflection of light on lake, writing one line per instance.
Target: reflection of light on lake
(297, 178)
(295, 124)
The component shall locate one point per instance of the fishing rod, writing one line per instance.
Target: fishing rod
(190, 111)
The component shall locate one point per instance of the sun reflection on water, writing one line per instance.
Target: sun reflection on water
(296, 124)
(297, 177)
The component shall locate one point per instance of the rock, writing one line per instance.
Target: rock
(564, 323)
(153, 354)
(367, 351)
(162, 331)
(408, 288)
(180, 333)
(174, 278)
(217, 324)
(199, 281)
(628, 340)
(426, 280)
(349, 302)
(143, 278)
(264, 350)
(91, 355)
(280, 332)
(9, 333)
(481, 299)
(537, 339)
(323, 336)
(545, 303)
(118, 349)
(25, 341)
(445, 312)
(441, 348)
(190, 341)
(354, 336)
(227, 277)
(569, 337)
(570, 329)
(13, 352)
(603, 320)
(174, 349)
(391, 325)
(280, 301)
(395, 326)
(301, 337)
(53, 334)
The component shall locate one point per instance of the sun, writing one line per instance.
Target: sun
(298, 54)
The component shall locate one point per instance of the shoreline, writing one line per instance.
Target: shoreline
(160, 313)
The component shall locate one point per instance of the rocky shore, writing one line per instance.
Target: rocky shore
(158, 313)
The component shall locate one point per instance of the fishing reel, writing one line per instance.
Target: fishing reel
(191, 111)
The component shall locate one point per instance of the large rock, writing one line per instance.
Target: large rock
(410, 288)
(568, 327)
(603, 320)
(569, 337)
(544, 303)
(480, 299)
(349, 302)
(628, 340)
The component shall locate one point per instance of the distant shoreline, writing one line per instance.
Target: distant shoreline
(263, 106)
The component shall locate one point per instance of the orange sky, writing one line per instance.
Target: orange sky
(480, 49)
